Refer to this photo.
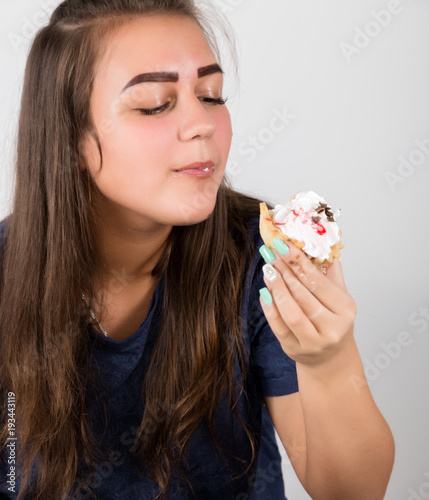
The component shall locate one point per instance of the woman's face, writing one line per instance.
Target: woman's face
(157, 108)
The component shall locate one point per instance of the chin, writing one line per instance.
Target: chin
(187, 215)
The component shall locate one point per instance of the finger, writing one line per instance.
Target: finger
(335, 274)
(282, 281)
(290, 300)
(326, 291)
(286, 337)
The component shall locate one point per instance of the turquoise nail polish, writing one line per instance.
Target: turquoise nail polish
(280, 246)
(266, 296)
(267, 254)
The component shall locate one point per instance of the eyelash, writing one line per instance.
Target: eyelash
(208, 100)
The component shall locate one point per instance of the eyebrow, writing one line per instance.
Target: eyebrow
(209, 70)
(166, 76)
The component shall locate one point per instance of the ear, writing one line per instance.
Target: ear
(89, 152)
(83, 150)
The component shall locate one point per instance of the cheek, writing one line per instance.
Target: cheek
(135, 165)
(224, 132)
(137, 138)
(139, 150)
(138, 155)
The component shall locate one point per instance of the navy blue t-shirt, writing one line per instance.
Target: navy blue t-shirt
(121, 366)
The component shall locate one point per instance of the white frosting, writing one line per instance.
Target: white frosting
(295, 220)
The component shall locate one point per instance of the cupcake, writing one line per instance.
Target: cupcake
(308, 222)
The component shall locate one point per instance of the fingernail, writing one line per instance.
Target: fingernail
(269, 272)
(280, 246)
(267, 254)
(266, 296)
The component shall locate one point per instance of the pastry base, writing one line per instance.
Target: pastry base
(269, 231)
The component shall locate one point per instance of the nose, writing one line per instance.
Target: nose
(197, 122)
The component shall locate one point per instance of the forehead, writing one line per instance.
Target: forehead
(154, 43)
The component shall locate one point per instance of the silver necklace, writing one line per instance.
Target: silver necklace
(94, 317)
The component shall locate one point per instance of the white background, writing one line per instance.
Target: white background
(353, 85)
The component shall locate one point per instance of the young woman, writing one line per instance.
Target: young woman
(136, 355)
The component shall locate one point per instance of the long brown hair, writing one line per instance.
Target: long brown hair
(47, 261)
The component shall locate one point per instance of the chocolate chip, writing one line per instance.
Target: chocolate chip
(316, 219)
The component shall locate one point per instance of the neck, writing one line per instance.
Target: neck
(128, 245)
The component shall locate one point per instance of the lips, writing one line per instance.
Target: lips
(197, 169)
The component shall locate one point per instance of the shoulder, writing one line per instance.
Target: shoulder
(255, 241)
(255, 260)
(243, 215)
(253, 230)
(4, 223)
(243, 219)
(3, 226)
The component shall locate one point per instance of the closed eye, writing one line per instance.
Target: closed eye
(212, 101)
(154, 111)
(159, 109)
